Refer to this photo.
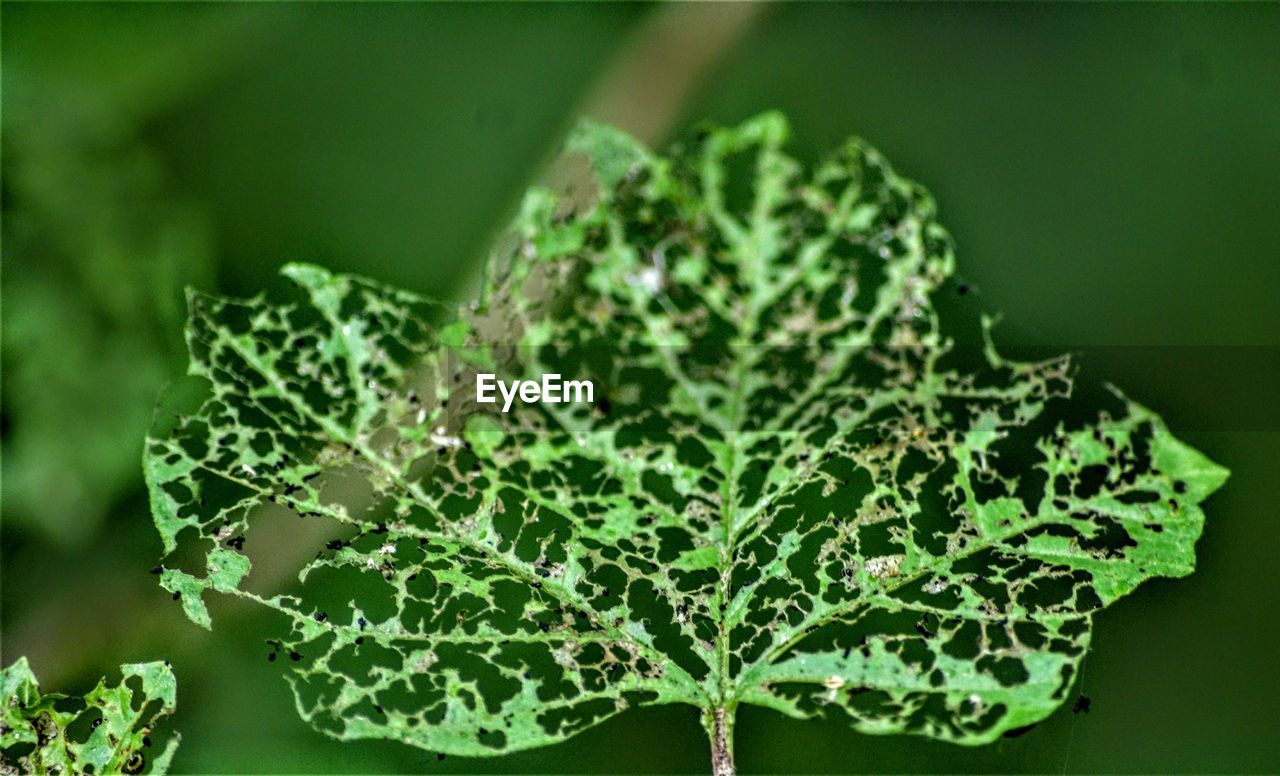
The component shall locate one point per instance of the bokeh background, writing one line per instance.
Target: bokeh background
(1111, 173)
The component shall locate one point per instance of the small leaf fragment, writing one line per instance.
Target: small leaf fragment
(35, 735)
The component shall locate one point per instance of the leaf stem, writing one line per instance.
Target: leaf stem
(718, 722)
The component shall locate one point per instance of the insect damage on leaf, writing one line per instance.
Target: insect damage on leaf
(106, 731)
(791, 489)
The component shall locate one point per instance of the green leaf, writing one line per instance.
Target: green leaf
(114, 723)
(793, 487)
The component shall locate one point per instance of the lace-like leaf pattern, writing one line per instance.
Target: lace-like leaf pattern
(791, 488)
(107, 730)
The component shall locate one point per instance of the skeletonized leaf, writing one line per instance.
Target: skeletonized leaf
(791, 487)
(113, 724)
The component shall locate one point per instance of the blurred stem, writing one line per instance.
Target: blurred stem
(673, 51)
(645, 87)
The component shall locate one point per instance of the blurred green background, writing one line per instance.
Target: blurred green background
(1111, 174)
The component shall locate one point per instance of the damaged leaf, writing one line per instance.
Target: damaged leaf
(792, 487)
(106, 731)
